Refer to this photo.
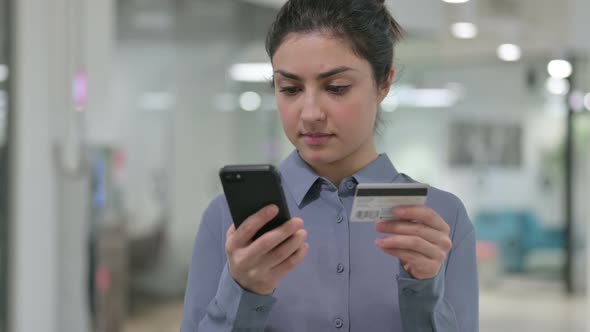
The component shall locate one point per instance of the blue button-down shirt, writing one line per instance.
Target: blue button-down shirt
(345, 283)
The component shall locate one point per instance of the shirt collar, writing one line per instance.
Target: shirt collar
(299, 176)
(381, 170)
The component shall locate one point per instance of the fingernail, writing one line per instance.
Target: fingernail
(399, 212)
(379, 242)
(378, 225)
(304, 234)
(271, 210)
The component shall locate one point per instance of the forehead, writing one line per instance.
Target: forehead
(316, 52)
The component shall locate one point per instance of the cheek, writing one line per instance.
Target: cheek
(288, 117)
(357, 114)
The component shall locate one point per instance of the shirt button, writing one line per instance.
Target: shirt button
(338, 323)
(409, 292)
(340, 268)
(350, 185)
(260, 309)
(339, 219)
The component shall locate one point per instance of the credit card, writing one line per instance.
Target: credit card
(375, 201)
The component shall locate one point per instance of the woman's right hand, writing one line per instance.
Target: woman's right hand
(259, 265)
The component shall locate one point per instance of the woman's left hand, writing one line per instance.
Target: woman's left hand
(420, 240)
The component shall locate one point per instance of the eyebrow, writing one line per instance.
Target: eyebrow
(320, 76)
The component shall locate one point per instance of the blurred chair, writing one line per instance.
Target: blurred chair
(516, 234)
(145, 244)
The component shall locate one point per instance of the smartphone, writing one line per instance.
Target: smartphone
(249, 188)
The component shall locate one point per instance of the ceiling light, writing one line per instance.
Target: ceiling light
(432, 98)
(509, 52)
(251, 72)
(390, 103)
(464, 30)
(250, 101)
(557, 86)
(559, 68)
(420, 98)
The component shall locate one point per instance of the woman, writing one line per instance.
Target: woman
(332, 62)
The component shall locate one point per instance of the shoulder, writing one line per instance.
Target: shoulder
(216, 206)
(216, 217)
(441, 199)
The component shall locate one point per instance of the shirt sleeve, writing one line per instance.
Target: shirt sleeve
(448, 302)
(214, 302)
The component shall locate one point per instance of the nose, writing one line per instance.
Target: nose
(311, 111)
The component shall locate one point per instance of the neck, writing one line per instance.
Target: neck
(336, 171)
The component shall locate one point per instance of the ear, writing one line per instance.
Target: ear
(384, 88)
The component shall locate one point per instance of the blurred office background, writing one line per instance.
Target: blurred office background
(115, 116)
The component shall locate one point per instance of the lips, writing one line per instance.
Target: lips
(316, 139)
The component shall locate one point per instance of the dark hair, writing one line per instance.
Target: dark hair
(366, 24)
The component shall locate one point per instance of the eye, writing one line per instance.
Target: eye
(289, 90)
(338, 89)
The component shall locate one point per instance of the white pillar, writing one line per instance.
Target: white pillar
(54, 38)
(587, 245)
(578, 41)
(33, 298)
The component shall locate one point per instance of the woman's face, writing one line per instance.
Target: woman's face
(327, 99)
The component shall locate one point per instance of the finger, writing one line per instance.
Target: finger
(290, 263)
(268, 241)
(413, 243)
(229, 244)
(286, 249)
(410, 258)
(412, 228)
(247, 229)
(230, 230)
(424, 215)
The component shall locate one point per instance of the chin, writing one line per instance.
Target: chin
(317, 156)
